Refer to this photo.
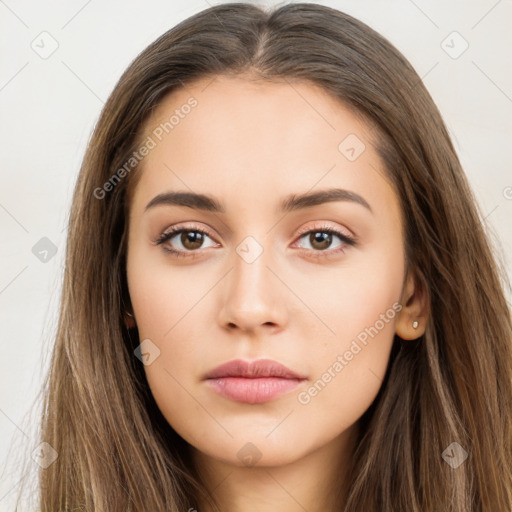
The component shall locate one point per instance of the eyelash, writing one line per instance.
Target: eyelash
(167, 235)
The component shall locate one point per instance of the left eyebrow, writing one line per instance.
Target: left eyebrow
(291, 203)
(308, 200)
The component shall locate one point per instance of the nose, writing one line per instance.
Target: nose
(253, 298)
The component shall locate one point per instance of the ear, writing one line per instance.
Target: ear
(129, 321)
(128, 316)
(415, 308)
(126, 304)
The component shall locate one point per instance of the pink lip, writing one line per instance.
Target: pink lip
(253, 382)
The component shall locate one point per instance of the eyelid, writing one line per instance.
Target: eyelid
(183, 226)
(322, 225)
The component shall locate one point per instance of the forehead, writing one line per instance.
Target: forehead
(281, 109)
(236, 135)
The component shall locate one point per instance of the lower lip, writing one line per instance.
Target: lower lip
(253, 391)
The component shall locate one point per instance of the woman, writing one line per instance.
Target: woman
(279, 294)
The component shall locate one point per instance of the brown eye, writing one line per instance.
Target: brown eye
(192, 240)
(184, 242)
(320, 240)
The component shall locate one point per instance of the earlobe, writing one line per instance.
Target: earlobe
(129, 320)
(411, 321)
(411, 331)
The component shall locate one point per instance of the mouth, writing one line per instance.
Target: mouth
(253, 382)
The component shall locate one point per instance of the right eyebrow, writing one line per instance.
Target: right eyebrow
(189, 199)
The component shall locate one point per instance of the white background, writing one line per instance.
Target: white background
(49, 108)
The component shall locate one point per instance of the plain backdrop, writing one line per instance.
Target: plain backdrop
(61, 59)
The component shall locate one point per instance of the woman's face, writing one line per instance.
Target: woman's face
(265, 268)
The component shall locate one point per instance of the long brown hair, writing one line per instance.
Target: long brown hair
(454, 384)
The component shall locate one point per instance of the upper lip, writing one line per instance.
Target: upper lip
(253, 369)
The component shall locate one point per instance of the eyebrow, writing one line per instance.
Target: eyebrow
(289, 204)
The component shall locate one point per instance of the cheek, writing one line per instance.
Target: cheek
(360, 293)
(170, 313)
(348, 375)
(173, 376)
(162, 296)
(360, 312)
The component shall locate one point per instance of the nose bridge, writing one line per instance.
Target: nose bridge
(252, 297)
(251, 277)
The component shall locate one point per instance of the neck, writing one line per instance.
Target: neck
(314, 481)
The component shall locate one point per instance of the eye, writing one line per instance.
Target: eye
(187, 240)
(321, 238)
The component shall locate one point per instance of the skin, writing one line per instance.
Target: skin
(251, 144)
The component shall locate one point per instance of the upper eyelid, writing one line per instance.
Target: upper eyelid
(174, 230)
(324, 226)
(180, 227)
(196, 227)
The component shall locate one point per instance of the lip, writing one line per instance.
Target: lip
(253, 381)
(253, 369)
